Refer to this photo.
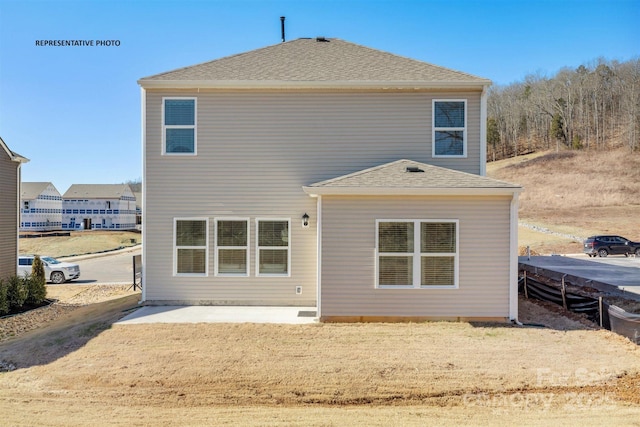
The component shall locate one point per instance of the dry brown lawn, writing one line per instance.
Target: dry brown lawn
(83, 370)
(580, 193)
(79, 243)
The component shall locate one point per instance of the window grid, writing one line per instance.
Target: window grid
(273, 247)
(429, 261)
(232, 247)
(449, 126)
(179, 130)
(191, 247)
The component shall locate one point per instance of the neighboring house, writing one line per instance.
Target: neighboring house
(10, 164)
(99, 207)
(41, 207)
(138, 196)
(321, 172)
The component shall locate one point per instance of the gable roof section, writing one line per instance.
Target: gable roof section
(31, 190)
(314, 63)
(396, 178)
(12, 154)
(97, 191)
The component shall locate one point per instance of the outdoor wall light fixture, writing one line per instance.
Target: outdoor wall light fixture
(305, 220)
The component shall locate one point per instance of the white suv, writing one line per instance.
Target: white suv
(57, 271)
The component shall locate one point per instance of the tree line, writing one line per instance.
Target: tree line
(595, 106)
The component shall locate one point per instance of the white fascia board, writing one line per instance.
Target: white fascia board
(13, 156)
(329, 84)
(18, 158)
(483, 130)
(390, 191)
(513, 259)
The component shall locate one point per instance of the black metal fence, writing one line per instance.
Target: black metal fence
(137, 272)
(608, 316)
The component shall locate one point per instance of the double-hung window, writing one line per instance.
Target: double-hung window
(232, 247)
(273, 247)
(191, 246)
(449, 128)
(417, 253)
(179, 134)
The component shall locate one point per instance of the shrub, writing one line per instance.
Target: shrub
(4, 302)
(36, 283)
(17, 292)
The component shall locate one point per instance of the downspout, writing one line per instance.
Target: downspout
(513, 258)
(143, 115)
(483, 131)
(17, 158)
(19, 213)
(319, 256)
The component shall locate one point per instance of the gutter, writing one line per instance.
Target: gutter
(328, 84)
(421, 191)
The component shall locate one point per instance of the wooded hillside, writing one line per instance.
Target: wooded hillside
(596, 106)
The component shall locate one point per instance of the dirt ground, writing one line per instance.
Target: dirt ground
(78, 368)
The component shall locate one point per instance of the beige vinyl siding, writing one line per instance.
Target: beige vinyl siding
(8, 215)
(348, 258)
(255, 152)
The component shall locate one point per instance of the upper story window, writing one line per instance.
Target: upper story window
(449, 128)
(179, 136)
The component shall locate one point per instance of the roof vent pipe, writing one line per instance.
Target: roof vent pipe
(282, 18)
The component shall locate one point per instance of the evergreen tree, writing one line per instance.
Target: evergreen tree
(37, 282)
(17, 292)
(4, 302)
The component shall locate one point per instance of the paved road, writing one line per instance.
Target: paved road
(619, 260)
(613, 271)
(110, 268)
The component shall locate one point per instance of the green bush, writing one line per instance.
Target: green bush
(36, 283)
(17, 291)
(4, 302)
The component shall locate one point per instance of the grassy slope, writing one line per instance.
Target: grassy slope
(80, 242)
(577, 193)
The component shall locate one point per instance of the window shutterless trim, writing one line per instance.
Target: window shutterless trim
(194, 126)
(218, 248)
(176, 247)
(417, 255)
(287, 248)
(440, 129)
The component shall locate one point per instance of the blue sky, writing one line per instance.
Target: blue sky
(75, 111)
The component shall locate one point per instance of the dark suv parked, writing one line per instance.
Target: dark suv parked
(610, 245)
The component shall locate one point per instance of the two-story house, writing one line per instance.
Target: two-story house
(10, 165)
(41, 207)
(321, 172)
(99, 207)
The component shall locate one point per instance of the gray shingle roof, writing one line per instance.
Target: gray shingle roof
(97, 191)
(310, 60)
(396, 178)
(31, 190)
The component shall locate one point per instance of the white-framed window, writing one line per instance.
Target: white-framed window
(232, 247)
(179, 126)
(191, 246)
(273, 247)
(417, 254)
(449, 130)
